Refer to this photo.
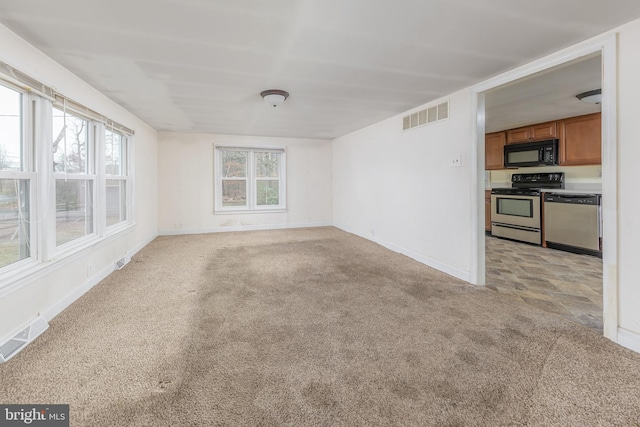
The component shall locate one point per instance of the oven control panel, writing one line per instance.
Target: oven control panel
(538, 180)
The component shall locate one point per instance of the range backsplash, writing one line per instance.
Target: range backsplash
(576, 177)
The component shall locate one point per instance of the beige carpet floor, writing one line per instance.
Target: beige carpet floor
(314, 327)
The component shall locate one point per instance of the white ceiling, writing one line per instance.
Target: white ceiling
(199, 65)
(549, 95)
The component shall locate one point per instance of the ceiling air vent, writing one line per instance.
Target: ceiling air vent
(427, 116)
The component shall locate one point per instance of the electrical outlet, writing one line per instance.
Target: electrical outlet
(456, 162)
(177, 225)
(89, 269)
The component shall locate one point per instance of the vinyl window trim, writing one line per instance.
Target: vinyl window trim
(251, 180)
(37, 170)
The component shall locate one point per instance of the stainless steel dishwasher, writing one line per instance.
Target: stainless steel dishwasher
(572, 222)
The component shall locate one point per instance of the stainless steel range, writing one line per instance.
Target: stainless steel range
(515, 211)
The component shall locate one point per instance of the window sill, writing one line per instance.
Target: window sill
(250, 211)
(89, 241)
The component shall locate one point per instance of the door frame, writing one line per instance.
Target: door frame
(606, 45)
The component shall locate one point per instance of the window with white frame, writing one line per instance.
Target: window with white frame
(249, 179)
(116, 170)
(74, 174)
(16, 178)
(65, 179)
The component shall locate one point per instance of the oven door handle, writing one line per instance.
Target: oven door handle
(516, 227)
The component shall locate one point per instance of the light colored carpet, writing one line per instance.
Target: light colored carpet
(314, 327)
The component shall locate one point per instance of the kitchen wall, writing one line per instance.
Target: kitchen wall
(62, 280)
(186, 184)
(398, 189)
(401, 190)
(575, 177)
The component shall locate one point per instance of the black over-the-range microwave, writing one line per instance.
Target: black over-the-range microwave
(539, 153)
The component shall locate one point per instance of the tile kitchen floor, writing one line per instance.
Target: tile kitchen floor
(565, 284)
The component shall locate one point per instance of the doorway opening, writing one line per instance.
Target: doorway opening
(559, 282)
(539, 276)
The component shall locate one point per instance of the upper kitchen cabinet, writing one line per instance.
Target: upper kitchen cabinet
(537, 132)
(493, 150)
(581, 140)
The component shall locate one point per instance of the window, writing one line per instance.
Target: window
(16, 179)
(115, 155)
(65, 178)
(74, 174)
(249, 179)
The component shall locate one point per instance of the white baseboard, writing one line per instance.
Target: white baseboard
(96, 278)
(438, 265)
(70, 298)
(176, 232)
(131, 252)
(629, 339)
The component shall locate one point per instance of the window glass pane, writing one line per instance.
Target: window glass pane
(116, 201)
(234, 192)
(113, 153)
(74, 210)
(10, 129)
(70, 140)
(267, 165)
(267, 192)
(234, 164)
(14, 220)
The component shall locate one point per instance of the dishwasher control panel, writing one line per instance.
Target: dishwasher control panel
(579, 199)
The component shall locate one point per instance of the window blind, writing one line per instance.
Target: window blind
(28, 83)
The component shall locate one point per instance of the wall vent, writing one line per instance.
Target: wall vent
(122, 262)
(13, 345)
(427, 116)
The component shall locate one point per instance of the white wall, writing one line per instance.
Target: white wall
(61, 280)
(186, 189)
(628, 164)
(399, 188)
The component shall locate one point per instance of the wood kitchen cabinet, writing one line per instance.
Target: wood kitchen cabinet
(487, 210)
(581, 140)
(537, 132)
(493, 150)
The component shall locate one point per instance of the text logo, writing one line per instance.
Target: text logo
(34, 415)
